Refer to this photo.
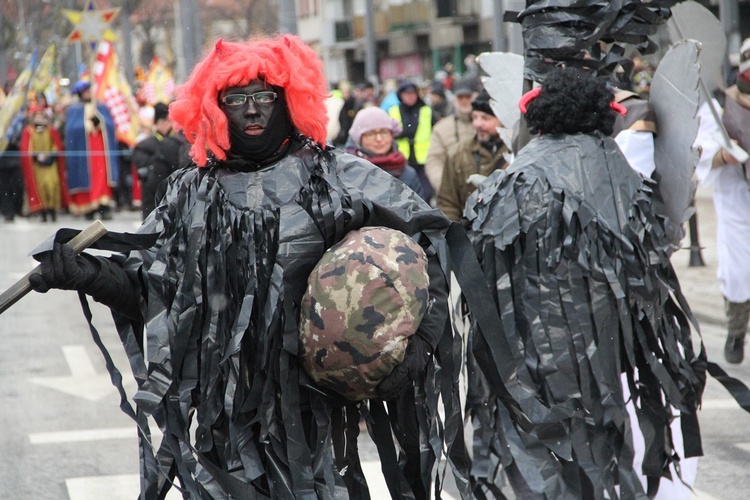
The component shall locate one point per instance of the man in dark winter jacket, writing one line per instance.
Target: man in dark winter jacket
(11, 181)
(156, 157)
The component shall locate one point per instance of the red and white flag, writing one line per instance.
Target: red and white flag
(158, 84)
(111, 88)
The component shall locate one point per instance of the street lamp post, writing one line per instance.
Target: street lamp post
(127, 49)
(287, 17)
(498, 33)
(370, 50)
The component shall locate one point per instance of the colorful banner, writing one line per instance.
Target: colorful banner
(111, 88)
(11, 111)
(45, 72)
(158, 84)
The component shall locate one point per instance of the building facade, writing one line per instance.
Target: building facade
(415, 39)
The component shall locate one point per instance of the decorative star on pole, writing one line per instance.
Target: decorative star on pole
(91, 25)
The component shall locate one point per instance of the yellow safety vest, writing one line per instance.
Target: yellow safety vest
(421, 137)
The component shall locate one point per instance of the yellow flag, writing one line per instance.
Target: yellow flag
(45, 71)
(13, 104)
(113, 90)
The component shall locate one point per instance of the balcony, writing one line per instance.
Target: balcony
(380, 22)
(344, 31)
(409, 16)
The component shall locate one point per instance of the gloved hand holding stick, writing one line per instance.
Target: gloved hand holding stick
(83, 240)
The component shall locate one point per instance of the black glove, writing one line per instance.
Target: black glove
(102, 278)
(63, 269)
(401, 379)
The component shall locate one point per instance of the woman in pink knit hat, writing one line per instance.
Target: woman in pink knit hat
(371, 138)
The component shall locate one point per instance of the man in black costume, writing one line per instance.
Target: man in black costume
(579, 264)
(217, 297)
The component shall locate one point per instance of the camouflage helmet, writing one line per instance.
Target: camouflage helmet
(364, 299)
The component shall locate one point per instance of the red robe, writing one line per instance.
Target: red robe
(27, 166)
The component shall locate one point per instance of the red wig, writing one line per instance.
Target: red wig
(283, 61)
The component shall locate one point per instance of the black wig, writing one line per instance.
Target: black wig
(572, 101)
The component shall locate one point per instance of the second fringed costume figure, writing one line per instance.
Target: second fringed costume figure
(579, 265)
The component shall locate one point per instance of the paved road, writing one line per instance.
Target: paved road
(63, 435)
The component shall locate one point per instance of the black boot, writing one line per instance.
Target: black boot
(734, 349)
(53, 215)
(738, 315)
(44, 215)
(106, 212)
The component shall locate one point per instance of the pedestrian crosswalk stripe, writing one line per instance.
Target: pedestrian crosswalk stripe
(82, 436)
(126, 486)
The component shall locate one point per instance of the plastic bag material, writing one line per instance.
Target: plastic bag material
(568, 31)
(219, 371)
(578, 264)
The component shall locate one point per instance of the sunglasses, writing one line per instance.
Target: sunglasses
(259, 98)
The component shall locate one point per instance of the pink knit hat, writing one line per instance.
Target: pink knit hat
(372, 118)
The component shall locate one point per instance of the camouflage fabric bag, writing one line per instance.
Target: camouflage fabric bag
(364, 299)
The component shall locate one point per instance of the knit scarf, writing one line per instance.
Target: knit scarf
(393, 162)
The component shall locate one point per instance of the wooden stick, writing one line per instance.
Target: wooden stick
(79, 243)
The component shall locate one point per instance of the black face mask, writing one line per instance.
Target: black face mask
(259, 148)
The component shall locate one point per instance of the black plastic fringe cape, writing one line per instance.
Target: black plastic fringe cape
(579, 266)
(221, 290)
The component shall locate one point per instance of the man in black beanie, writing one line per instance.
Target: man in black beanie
(156, 157)
(481, 154)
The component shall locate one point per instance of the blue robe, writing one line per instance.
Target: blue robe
(78, 151)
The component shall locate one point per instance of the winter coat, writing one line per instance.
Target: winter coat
(467, 158)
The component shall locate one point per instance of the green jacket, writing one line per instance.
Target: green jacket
(464, 159)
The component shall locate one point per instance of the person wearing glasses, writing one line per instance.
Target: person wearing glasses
(371, 138)
(209, 312)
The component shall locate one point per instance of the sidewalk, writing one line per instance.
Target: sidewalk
(699, 284)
